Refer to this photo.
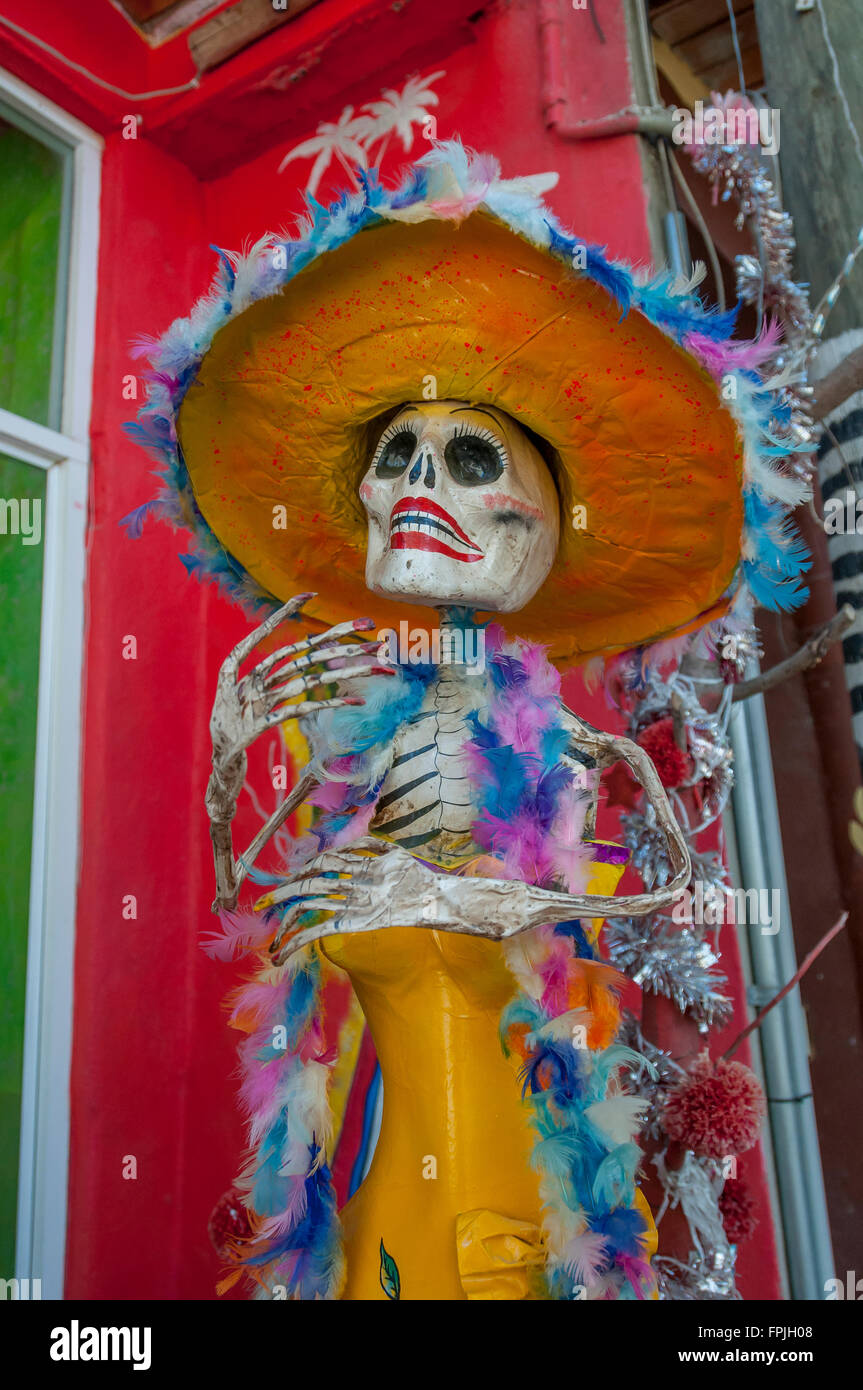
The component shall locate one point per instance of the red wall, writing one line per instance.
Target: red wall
(149, 1051)
(153, 1060)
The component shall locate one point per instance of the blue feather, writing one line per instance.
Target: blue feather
(623, 1227)
(134, 521)
(507, 671)
(315, 1236)
(777, 595)
(228, 272)
(584, 947)
(268, 1190)
(613, 1183)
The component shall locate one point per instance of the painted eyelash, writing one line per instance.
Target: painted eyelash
(390, 433)
(486, 436)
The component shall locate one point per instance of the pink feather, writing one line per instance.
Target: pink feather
(521, 725)
(358, 826)
(585, 1258)
(570, 856)
(241, 932)
(746, 355)
(330, 796)
(638, 1272)
(543, 678)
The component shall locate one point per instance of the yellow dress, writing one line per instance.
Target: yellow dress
(450, 1193)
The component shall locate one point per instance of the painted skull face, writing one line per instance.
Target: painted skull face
(461, 508)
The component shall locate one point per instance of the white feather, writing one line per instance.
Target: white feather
(620, 1118)
(563, 1026)
(791, 491)
(683, 285)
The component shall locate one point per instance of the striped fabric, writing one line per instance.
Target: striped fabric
(841, 479)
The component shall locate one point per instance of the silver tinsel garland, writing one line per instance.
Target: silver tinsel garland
(695, 1186)
(670, 954)
(665, 956)
(766, 280)
(677, 964)
(705, 1277)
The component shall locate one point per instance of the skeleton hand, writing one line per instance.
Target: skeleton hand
(388, 887)
(247, 706)
(376, 884)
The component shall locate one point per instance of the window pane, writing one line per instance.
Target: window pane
(33, 178)
(21, 552)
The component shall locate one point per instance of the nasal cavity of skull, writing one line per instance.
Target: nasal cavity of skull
(425, 458)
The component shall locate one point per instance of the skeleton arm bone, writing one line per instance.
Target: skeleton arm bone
(230, 875)
(606, 749)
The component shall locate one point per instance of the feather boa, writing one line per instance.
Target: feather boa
(562, 1021)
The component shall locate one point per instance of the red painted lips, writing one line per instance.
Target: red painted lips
(418, 523)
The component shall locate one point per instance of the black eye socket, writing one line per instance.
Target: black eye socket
(396, 454)
(472, 461)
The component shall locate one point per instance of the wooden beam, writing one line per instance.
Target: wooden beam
(725, 76)
(833, 390)
(235, 28)
(679, 20)
(687, 85)
(157, 22)
(714, 46)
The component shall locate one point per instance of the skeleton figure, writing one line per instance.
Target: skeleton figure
(462, 510)
(462, 513)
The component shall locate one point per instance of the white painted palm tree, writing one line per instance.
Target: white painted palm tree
(342, 138)
(350, 138)
(398, 112)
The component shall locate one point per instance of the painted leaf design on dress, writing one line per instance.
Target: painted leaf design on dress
(390, 1281)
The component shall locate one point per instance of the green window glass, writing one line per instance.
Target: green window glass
(34, 180)
(35, 185)
(22, 518)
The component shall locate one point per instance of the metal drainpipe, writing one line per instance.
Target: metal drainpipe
(784, 1038)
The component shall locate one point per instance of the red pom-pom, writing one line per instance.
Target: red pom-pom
(717, 1110)
(660, 745)
(229, 1224)
(737, 1208)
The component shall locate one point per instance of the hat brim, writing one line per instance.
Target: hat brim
(270, 428)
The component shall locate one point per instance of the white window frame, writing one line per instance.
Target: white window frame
(65, 456)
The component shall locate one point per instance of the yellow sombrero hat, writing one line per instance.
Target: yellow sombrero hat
(463, 286)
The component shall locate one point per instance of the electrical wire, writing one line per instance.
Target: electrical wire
(837, 81)
(100, 81)
(736, 41)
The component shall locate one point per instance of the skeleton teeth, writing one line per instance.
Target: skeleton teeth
(409, 524)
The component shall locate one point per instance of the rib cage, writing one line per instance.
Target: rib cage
(425, 803)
